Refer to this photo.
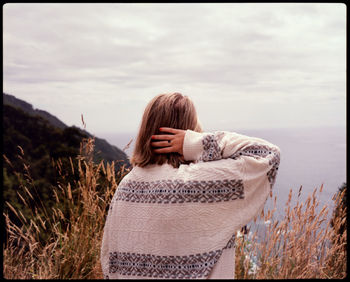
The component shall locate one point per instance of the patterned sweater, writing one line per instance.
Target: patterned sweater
(166, 222)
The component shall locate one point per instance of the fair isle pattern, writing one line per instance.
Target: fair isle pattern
(211, 149)
(255, 151)
(146, 265)
(178, 191)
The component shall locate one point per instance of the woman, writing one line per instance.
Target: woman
(176, 213)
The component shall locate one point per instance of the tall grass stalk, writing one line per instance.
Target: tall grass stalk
(72, 245)
(302, 245)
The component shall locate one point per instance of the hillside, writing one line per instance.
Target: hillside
(103, 149)
(28, 108)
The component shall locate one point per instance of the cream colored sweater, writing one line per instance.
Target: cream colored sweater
(167, 222)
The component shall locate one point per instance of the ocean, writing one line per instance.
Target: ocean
(310, 157)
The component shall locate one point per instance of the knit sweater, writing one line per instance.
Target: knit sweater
(166, 222)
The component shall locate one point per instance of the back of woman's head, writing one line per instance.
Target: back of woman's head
(165, 110)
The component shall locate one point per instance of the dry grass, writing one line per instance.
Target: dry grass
(71, 249)
(303, 245)
(296, 247)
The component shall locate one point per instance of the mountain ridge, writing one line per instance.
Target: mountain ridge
(103, 150)
(28, 108)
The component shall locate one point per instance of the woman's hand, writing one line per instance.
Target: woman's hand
(169, 143)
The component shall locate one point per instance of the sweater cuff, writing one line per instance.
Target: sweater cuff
(192, 147)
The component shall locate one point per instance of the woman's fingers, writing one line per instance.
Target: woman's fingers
(161, 144)
(162, 137)
(169, 143)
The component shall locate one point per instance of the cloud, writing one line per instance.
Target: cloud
(115, 57)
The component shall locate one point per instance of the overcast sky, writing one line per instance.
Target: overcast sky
(244, 65)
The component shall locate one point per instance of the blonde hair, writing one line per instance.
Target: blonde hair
(165, 110)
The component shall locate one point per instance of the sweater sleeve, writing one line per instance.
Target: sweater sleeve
(257, 155)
